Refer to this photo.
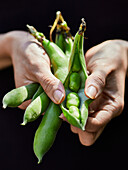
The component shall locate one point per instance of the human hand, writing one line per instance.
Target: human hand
(107, 64)
(32, 64)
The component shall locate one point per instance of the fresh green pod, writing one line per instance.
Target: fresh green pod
(17, 96)
(74, 82)
(76, 65)
(64, 38)
(68, 47)
(74, 111)
(38, 92)
(36, 108)
(59, 40)
(47, 130)
(72, 100)
(58, 59)
(84, 101)
(65, 43)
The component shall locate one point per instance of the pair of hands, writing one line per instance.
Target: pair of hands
(106, 64)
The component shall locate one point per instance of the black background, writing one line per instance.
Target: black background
(105, 20)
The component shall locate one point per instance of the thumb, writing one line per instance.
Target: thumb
(51, 85)
(95, 83)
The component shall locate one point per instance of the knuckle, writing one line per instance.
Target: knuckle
(97, 125)
(120, 106)
(48, 84)
(100, 79)
(117, 107)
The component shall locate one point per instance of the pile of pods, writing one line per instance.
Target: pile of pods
(68, 65)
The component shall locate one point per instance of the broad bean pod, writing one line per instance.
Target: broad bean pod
(38, 92)
(47, 130)
(36, 108)
(78, 53)
(17, 96)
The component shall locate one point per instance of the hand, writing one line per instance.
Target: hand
(107, 64)
(32, 64)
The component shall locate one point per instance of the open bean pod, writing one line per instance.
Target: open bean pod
(77, 64)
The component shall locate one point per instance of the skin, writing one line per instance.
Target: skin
(107, 64)
(31, 64)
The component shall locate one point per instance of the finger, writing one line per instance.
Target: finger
(24, 105)
(51, 85)
(99, 120)
(63, 117)
(95, 82)
(88, 138)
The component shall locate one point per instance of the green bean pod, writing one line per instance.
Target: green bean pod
(64, 38)
(38, 92)
(17, 96)
(36, 108)
(68, 47)
(47, 130)
(84, 101)
(59, 40)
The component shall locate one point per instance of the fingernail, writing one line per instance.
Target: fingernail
(91, 92)
(58, 96)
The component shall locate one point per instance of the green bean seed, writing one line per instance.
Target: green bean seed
(72, 100)
(74, 111)
(74, 82)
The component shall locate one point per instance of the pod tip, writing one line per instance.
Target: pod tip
(83, 128)
(29, 27)
(4, 106)
(39, 161)
(24, 123)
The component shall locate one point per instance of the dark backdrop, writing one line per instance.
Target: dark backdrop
(105, 20)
